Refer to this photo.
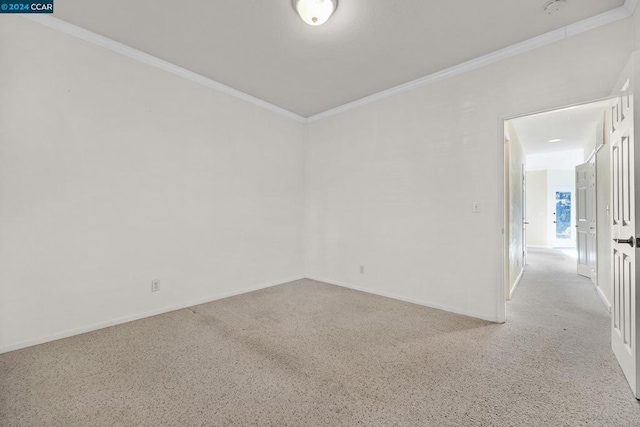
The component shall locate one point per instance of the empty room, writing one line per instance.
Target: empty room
(318, 213)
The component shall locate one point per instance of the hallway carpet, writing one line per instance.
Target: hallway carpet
(312, 354)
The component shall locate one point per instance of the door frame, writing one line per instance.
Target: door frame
(503, 158)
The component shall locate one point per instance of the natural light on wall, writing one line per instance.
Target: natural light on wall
(315, 12)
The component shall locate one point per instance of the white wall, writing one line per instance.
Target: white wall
(636, 30)
(561, 177)
(595, 140)
(390, 185)
(113, 173)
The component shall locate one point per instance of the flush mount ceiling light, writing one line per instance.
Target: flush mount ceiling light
(555, 140)
(315, 12)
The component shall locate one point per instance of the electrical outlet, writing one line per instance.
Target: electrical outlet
(362, 269)
(155, 285)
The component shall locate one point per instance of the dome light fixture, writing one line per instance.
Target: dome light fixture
(315, 12)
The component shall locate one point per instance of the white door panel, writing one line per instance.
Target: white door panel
(586, 219)
(582, 219)
(524, 216)
(592, 209)
(624, 247)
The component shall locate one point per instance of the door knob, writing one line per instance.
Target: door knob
(630, 241)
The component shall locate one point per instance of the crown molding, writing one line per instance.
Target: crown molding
(145, 58)
(447, 73)
(571, 30)
(602, 19)
(631, 5)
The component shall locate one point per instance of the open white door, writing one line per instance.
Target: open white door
(524, 216)
(586, 219)
(592, 215)
(623, 163)
(582, 219)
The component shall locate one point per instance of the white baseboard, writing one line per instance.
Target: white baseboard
(101, 325)
(603, 298)
(493, 319)
(516, 283)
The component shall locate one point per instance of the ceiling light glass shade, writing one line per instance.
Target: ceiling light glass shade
(315, 12)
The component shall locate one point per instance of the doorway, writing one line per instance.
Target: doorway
(557, 163)
(561, 213)
(612, 238)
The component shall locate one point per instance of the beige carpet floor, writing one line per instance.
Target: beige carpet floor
(312, 354)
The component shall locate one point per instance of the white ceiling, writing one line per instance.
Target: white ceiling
(262, 47)
(574, 126)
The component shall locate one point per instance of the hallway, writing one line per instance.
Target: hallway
(551, 288)
(559, 316)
